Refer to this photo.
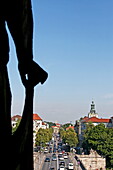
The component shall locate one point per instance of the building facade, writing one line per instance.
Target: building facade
(93, 118)
(37, 124)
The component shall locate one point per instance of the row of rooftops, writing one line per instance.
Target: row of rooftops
(93, 116)
(18, 117)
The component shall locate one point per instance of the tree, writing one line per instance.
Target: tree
(100, 139)
(66, 125)
(62, 133)
(49, 133)
(86, 132)
(51, 124)
(43, 136)
(16, 126)
(70, 138)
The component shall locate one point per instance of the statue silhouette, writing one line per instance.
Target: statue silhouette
(17, 150)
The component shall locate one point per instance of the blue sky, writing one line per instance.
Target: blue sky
(73, 42)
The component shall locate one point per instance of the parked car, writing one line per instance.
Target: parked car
(70, 165)
(47, 159)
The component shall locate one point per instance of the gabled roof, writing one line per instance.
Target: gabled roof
(57, 127)
(70, 127)
(96, 120)
(16, 117)
(36, 117)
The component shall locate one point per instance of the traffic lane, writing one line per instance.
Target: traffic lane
(66, 162)
(54, 164)
(46, 165)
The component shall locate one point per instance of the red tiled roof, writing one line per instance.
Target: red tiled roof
(55, 126)
(57, 123)
(70, 127)
(85, 118)
(16, 117)
(36, 117)
(97, 120)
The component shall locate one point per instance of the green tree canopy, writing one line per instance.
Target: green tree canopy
(16, 126)
(51, 124)
(100, 139)
(66, 125)
(62, 133)
(43, 136)
(70, 137)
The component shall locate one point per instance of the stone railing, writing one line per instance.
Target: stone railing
(93, 161)
(38, 160)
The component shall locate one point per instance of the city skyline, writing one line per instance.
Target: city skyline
(73, 42)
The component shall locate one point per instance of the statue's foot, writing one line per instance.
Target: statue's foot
(38, 75)
(44, 77)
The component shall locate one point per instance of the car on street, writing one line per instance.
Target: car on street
(65, 156)
(46, 151)
(52, 168)
(35, 150)
(47, 159)
(60, 157)
(70, 165)
(62, 167)
(61, 163)
(54, 158)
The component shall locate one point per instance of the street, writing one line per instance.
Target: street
(55, 164)
(55, 158)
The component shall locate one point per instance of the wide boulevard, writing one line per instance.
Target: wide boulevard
(54, 158)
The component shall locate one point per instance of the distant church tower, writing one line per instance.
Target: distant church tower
(92, 112)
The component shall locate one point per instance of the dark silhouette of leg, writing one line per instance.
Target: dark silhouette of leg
(23, 137)
(5, 118)
(5, 98)
(18, 147)
(20, 24)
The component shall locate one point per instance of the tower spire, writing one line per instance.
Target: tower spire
(92, 107)
(92, 112)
